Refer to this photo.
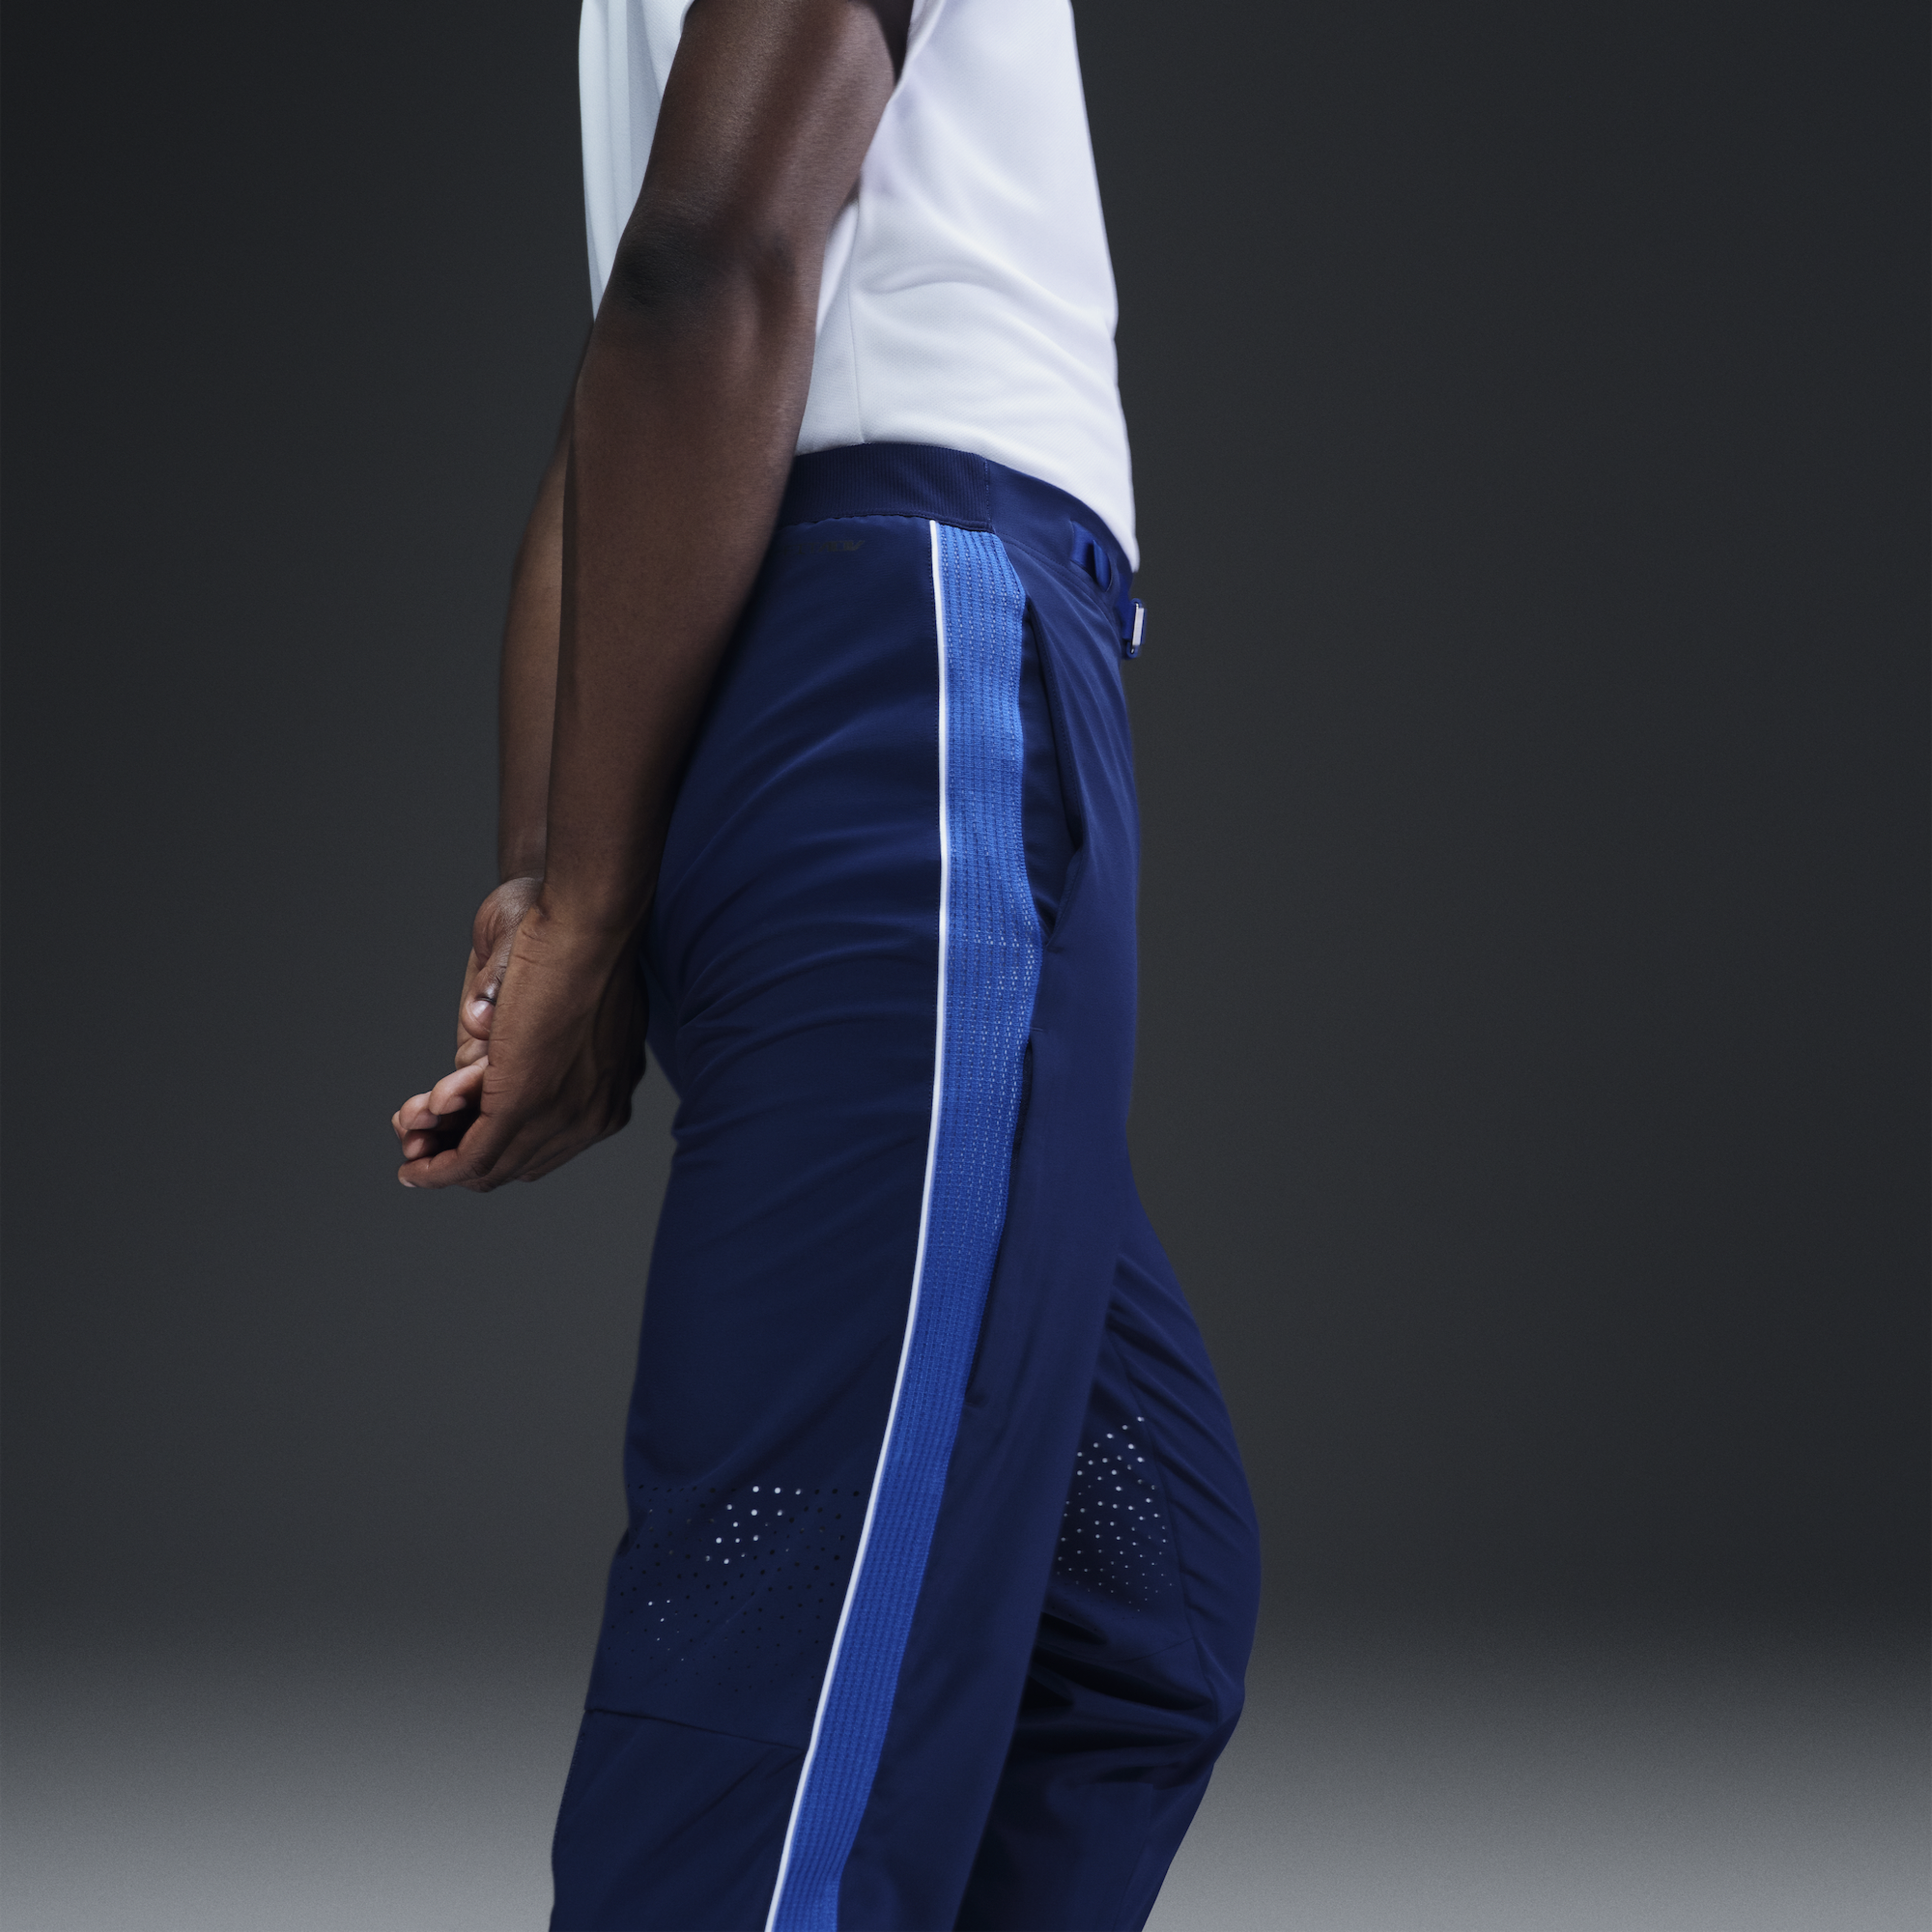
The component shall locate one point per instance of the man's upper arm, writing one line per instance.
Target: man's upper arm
(768, 109)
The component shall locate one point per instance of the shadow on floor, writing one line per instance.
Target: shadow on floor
(1376, 1786)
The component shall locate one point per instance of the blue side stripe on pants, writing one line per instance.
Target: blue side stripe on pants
(989, 969)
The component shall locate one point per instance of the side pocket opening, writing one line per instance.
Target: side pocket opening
(1049, 804)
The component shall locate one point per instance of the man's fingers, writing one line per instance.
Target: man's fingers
(500, 961)
(479, 997)
(427, 1124)
(426, 1113)
(436, 1133)
(491, 937)
(459, 1090)
(493, 933)
(458, 1166)
(488, 1151)
(478, 1007)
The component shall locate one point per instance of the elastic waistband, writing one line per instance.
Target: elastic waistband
(915, 479)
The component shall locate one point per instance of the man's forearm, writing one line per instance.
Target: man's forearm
(527, 686)
(687, 414)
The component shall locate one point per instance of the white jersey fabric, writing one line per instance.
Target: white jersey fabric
(967, 299)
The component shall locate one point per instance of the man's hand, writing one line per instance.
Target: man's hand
(428, 1123)
(550, 1045)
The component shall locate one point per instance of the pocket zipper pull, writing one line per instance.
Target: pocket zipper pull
(1090, 554)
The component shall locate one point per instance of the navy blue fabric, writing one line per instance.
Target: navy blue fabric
(1134, 1684)
(1047, 1733)
(969, 492)
(989, 946)
(662, 1825)
(1048, 837)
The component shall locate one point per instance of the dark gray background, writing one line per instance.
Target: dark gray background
(1528, 412)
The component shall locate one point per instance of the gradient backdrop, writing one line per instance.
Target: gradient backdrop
(1529, 417)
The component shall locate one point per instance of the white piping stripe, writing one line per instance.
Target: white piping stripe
(918, 1264)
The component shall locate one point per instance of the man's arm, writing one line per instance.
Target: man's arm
(685, 421)
(527, 681)
(526, 719)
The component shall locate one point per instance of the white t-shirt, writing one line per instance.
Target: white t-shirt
(967, 299)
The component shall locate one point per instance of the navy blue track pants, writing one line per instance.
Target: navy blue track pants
(940, 1574)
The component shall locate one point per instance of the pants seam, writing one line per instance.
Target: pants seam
(705, 1730)
(1109, 1340)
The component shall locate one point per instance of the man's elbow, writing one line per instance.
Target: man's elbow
(674, 271)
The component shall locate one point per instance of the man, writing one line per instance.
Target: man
(940, 1576)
